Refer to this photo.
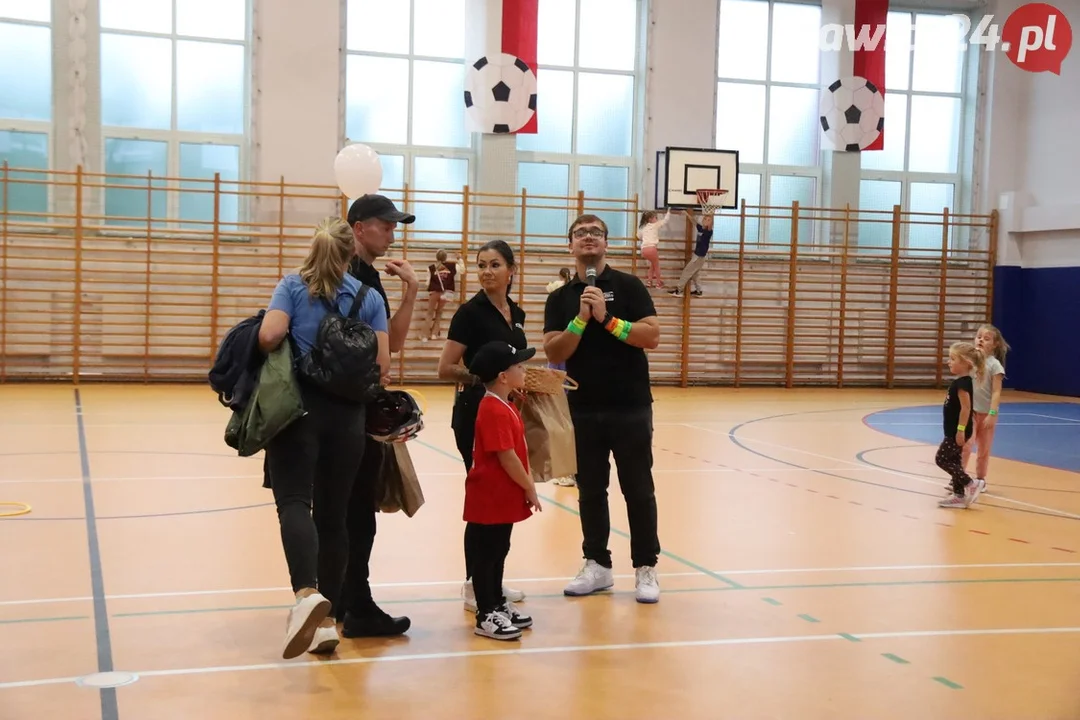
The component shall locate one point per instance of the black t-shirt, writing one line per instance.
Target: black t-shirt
(952, 406)
(370, 277)
(477, 322)
(609, 372)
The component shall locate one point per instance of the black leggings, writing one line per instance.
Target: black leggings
(486, 548)
(950, 459)
(313, 462)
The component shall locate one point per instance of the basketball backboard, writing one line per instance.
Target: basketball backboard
(687, 170)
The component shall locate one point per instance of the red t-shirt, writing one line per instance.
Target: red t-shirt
(491, 496)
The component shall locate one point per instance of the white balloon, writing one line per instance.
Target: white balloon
(357, 170)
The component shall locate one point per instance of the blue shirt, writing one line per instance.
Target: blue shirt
(305, 312)
(701, 248)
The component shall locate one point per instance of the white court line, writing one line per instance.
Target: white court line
(465, 654)
(514, 581)
(1055, 417)
(898, 473)
(142, 478)
(999, 424)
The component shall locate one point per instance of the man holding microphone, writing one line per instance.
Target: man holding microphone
(600, 324)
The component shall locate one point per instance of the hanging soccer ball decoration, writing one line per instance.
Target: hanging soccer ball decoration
(852, 113)
(500, 94)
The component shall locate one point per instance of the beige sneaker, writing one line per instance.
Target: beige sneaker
(304, 619)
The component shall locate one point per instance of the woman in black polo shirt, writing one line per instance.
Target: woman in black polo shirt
(488, 315)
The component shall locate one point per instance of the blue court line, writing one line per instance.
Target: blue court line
(109, 708)
(621, 533)
(1051, 439)
(861, 457)
(733, 436)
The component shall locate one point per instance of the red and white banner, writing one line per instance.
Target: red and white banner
(869, 63)
(520, 25)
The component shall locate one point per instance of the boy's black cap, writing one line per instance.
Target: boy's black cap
(366, 207)
(495, 357)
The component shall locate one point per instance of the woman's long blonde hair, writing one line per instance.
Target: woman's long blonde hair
(331, 250)
(972, 354)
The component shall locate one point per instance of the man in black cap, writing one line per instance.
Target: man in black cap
(373, 219)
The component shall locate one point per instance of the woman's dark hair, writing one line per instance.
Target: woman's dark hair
(504, 250)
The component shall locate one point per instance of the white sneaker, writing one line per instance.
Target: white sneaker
(496, 626)
(468, 594)
(648, 587)
(592, 578)
(325, 641)
(567, 481)
(304, 618)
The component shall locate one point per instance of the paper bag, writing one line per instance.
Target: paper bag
(399, 486)
(549, 434)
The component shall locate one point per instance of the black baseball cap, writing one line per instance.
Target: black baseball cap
(495, 357)
(366, 207)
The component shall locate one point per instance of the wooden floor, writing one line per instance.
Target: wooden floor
(799, 580)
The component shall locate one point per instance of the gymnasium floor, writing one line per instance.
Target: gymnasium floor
(807, 573)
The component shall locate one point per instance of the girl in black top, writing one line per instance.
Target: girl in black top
(488, 315)
(963, 359)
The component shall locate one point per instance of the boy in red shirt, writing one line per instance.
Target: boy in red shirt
(499, 490)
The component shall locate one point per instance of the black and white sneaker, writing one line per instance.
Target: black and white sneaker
(496, 626)
(518, 619)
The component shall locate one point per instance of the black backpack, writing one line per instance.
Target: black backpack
(344, 359)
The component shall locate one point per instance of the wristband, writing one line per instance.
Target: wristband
(992, 412)
(619, 328)
(576, 326)
(961, 428)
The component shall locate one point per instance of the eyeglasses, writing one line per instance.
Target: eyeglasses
(583, 232)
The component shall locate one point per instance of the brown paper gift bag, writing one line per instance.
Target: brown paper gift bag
(549, 431)
(399, 486)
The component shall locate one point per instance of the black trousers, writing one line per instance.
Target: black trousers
(626, 434)
(361, 525)
(463, 422)
(950, 458)
(312, 464)
(486, 548)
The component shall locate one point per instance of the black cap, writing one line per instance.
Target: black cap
(495, 357)
(366, 207)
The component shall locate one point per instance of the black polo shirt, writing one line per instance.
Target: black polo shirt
(370, 277)
(609, 372)
(477, 322)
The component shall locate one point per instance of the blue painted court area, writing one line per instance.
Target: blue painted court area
(1045, 434)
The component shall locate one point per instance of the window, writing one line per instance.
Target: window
(403, 97)
(767, 98)
(26, 104)
(921, 166)
(587, 56)
(173, 103)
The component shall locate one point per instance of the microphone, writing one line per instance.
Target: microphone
(590, 276)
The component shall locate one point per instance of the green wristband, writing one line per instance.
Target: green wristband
(576, 326)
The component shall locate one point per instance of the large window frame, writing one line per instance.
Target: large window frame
(173, 137)
(408, 151)
(959, 178)
(576, 161)
(37, 127)
(766, 170)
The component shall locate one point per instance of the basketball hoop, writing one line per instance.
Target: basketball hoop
(710, 199)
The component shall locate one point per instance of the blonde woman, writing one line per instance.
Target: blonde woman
(314, 461)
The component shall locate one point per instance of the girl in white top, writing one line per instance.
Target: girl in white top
(986, 399)
(649, 233)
